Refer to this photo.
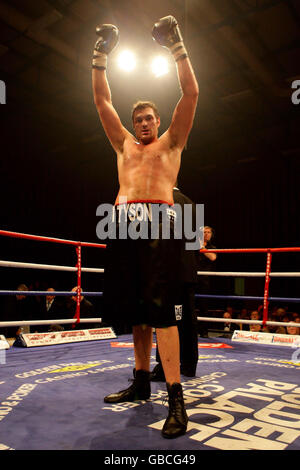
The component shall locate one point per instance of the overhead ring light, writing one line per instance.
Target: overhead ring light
(127, 61)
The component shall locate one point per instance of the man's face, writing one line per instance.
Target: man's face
(50, 297)
(255, 328)
(292, 330)
(74, 298)
(207, 234)
(145, 125)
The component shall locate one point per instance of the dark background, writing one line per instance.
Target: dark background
(242, 158)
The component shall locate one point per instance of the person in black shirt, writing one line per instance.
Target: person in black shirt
(187, 326)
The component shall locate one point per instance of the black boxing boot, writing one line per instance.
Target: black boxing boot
(176, 422)
(157, 374)
(139, 390)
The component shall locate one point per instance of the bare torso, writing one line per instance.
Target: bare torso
(148, 172)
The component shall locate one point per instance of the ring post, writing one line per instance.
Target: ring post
(266, 290)
(78, 251)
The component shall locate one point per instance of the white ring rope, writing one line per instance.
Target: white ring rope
(15, 264)
(248, 322)
(99, 320)
(246, 274)
(49, 322)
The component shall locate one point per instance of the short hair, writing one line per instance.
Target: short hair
(211, 229)
(142, 105)
(22, 287)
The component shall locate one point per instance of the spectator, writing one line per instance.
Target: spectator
(254, 315)
(87, 310)
(255, 327)
(276, 317)
(295, 316)
(51, 308)
(229, 326)
(18, 308)
(257, 315)
(279, 313)
(244, 315)
(293, 330)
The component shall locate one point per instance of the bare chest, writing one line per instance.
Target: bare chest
(139, 155)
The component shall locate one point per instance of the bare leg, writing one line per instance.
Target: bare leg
(168, 345)
(142, 338)
(140, 388)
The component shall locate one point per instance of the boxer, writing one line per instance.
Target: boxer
(148, 165)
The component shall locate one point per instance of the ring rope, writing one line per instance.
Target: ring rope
(26, 236)
(99, 294)
(98, 245)
(16, 264)
(247, 322)
(266, 299)
(245, 274)
(50, 267)
(44, 293)
(48, 322)
(98, 320)
(250, 250)
(245, 297)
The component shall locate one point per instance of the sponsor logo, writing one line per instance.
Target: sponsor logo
(178, 312)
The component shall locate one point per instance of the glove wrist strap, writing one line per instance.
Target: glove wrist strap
(99, 60)
(179, 51)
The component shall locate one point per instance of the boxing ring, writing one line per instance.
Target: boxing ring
(245, 396)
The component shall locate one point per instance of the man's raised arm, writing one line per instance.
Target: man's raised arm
(167, 33)
(108, 39)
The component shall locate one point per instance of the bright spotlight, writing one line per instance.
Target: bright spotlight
(127, 61)
(160, 66)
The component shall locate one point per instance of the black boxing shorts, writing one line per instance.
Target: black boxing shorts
(141, 281)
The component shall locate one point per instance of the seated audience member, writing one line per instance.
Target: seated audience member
(87, 310)
(276, 328)
(293, 330)
(51, 308)
(254, 315)
(243, 315)
(279, 313)
(257, 315)
(255, 327)
(229, 326)
(18, 308)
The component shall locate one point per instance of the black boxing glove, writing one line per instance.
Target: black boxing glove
(167, 33)
(108, 39)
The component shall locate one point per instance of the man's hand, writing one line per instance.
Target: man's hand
(108, 39)
(167, 33)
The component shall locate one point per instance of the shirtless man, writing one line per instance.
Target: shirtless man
(148, 166)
